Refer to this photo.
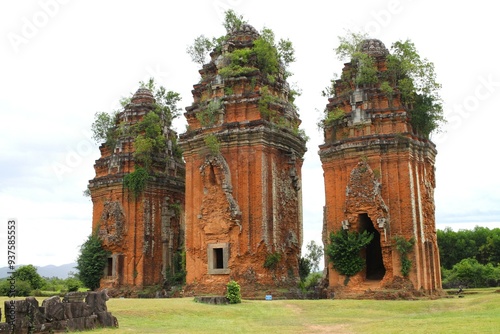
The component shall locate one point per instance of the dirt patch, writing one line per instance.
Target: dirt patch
(328, 329)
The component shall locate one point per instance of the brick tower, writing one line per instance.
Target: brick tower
(143, 231)
(379, 177)
(243, 157)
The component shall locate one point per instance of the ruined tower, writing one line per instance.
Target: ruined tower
(379, 177)
(137, 210)
(243, 155)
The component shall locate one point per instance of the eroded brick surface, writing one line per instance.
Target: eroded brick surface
(142, 232)
(243, 201)
(379, 176)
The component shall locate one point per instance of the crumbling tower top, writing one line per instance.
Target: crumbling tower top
(374, 47)
(143, 95)
(244, 31)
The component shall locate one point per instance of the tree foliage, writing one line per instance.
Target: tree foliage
(314, 254)
(91, 262)
(305, 267)
(344, 250)
(101, 127)
(481, 243)
(472, 274)
(29, 274)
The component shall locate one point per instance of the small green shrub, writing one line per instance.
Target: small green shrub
(73, 284)
(212, 143)
(208, 116)
(343, 251)
(404, 247)
(332, 117)
(272, 260)
(136, 181)
(233, 292)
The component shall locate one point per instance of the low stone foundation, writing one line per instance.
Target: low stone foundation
(76, 312)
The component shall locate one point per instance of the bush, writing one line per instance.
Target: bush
(233, 292)
(73, 284)
(272, 260)
(311, 282)
(305, 266)
(91, 262)
(344, 251)
(23, 288)
(472, 274)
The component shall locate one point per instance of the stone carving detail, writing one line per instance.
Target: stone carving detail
(363, 194)
(216, 174)
(112, 223)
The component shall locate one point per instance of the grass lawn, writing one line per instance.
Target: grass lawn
(477, 312)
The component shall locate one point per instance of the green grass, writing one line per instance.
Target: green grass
(475, 313)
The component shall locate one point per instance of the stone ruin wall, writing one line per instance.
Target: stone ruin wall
(78, 311)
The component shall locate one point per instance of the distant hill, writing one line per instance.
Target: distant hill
(47, 271)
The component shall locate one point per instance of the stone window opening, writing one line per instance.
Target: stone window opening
(109, 269)
(218, 257)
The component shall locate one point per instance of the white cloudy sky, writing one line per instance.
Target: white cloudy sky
(62, 61)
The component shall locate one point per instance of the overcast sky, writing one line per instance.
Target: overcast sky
(63, 61)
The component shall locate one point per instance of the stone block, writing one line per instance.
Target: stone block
(106, 319)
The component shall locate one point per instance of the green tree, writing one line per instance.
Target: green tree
(314, 254)
(472, 274)
(102, 127)
(232, 21)
(200, 49)
(29, 274)
(91, 262)
(481, 243)
(305, 267)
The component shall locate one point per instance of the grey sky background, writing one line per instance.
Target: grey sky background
(63, 61)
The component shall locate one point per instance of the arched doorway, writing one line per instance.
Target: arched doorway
(375, 269)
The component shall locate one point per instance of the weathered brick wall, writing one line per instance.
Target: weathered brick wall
(142, 232)
(375, 164)
(245, 198)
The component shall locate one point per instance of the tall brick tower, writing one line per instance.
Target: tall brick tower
(379, 177)
(243, 157)
(143, 231)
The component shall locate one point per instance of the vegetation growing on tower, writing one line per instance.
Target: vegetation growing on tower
(148, 135)
(405, 75)
(259, 59)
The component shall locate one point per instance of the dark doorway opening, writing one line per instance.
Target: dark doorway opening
(375, 269)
